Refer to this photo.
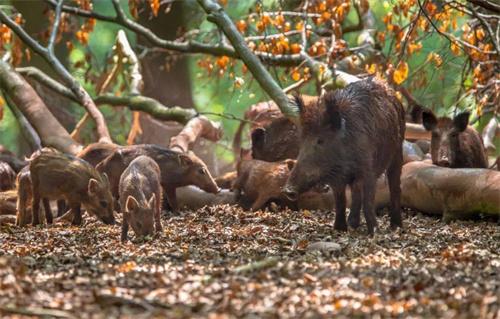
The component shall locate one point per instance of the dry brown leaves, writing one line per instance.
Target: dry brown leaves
(225, 262)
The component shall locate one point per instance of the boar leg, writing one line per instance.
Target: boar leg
(22, 199)
(48, 211)
(61, 207)
(172, 198)
(394, 179)
(356, 201)
(259, 202)
(35, 208)
(158, 204)
(77, 216)
(124, 236)
(340, 202)
(368, 207)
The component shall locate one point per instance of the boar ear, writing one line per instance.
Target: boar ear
(298, 101)
(93, 186)
(290, 163)
(185, 160)
(332, 111)
(429, 120)
(131, 204)
(461, 121)
(152, 201)
(258, 136)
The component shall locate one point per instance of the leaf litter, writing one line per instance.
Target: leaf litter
(224, 262)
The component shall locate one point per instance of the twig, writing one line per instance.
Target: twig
(55, 27)
(257, 265)
(39, 312)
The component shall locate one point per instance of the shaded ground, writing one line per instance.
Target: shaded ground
(204, 265)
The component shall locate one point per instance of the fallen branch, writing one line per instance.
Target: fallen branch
(27, 129)
(257, 265)
(454, 193)
(36, 312)
(196, 128)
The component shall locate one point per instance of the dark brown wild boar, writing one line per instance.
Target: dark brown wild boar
(226, 181)
(350, 137)
(262, 181)
(277, 141)
(59, 176)
(177, 169)
(96, 152)
(140, 197)
(7, 177)
(454, 144)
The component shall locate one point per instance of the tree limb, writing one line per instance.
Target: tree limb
(29, 103)
(489, 133)
(27, 129)
(197, 127)
(48, 55)
(217, 15)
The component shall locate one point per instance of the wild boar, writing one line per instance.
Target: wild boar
(55, 175)
(177, 169)
(350, 137)
(454, 144)
(277, 141)
(96, 152)
(262, 181)
(140, 197)
(7, 177)
(10, 158)
(226, 181)
(25, 197)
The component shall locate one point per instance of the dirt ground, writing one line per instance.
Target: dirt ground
(223, 262)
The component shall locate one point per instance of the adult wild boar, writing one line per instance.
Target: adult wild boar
(140, 197)
(454, 144)
(350, 137)
(55, 175)
(96, 152)
(177, 169)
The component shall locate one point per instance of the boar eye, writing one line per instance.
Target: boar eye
(104, 204)
(202, 171)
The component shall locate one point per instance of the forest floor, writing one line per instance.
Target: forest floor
(223, 262)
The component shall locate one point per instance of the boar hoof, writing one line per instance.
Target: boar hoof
(76, 222)
(354, 222)
(340, 226)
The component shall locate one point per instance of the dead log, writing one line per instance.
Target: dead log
(196, 128)
(489, 134)
(191, 197)
(453, 193)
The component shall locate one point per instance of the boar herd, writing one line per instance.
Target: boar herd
(345, 139)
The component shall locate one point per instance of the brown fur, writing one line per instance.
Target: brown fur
(140, 197)
(350, 137)
(454, 144)
(262, 181)
(226, 181)
(96, 152)
(177, 169)
(60, 176)
(7, 177)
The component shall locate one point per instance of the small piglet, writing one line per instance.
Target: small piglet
(454, 144)
(262, 181)
(140, 197)
(55, 175)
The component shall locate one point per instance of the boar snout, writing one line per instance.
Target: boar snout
(444, 161)
(109, 220)
(290, 192)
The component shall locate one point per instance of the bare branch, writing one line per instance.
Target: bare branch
(55, 27)
(48, 55)
(217, 15)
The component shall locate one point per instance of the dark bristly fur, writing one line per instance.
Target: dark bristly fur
(351, 137)
(7, 177)
(454, 144)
